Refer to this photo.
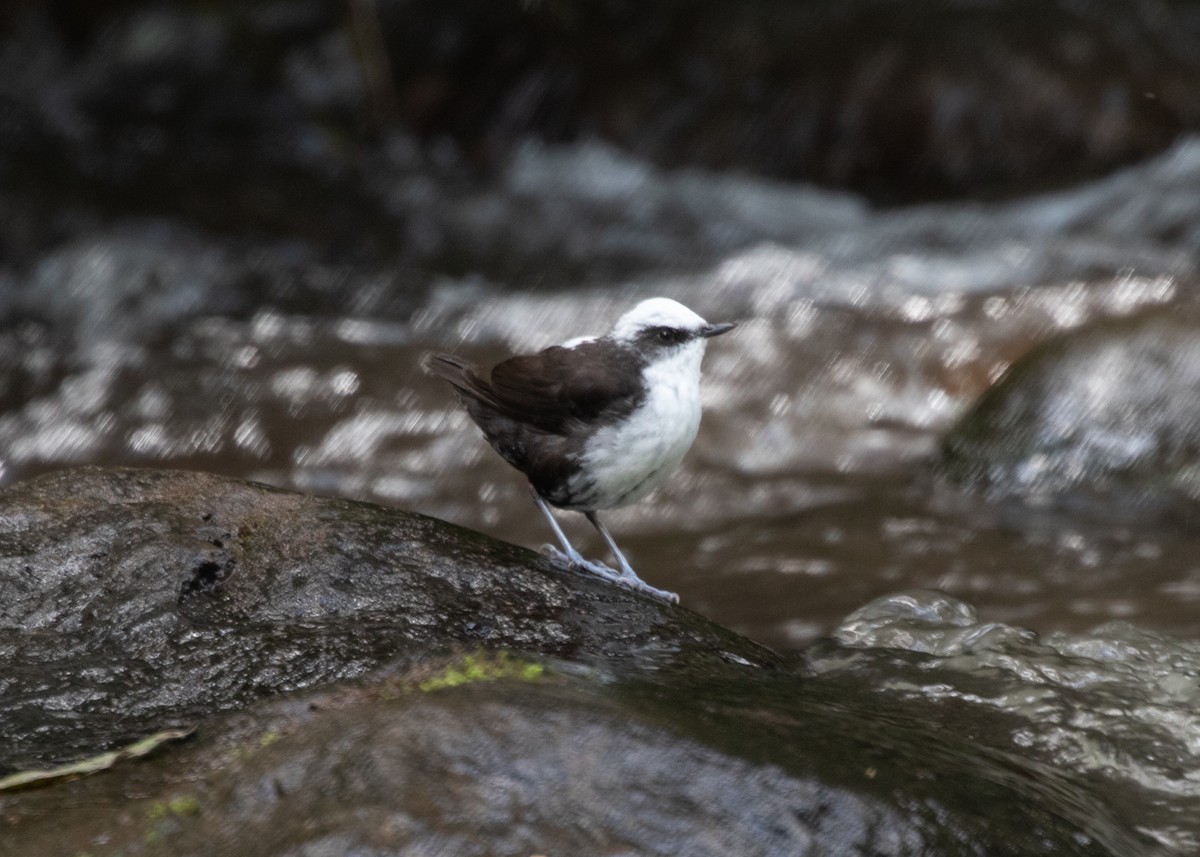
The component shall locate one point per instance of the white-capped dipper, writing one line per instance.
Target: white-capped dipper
(597, 422)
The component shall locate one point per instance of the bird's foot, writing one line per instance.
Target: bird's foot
(626, 577)
(661, 594)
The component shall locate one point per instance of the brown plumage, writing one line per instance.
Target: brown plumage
(540, 425)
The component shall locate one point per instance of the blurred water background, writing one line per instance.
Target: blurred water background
(961, 240)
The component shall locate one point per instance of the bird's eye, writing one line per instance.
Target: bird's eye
(668, 336)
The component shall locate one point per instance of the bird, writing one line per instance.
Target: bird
(597, 422)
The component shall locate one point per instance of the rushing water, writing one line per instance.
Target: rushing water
(864, 336)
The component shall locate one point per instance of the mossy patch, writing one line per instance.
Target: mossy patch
(179, 805)
(164, 816)
(483, 666)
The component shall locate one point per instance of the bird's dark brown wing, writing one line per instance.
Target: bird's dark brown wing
(556, 390)
(559, 389)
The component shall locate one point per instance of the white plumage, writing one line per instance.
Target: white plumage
(627, 460)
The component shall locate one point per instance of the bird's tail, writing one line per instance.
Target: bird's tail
(447, 366)
(462, 376)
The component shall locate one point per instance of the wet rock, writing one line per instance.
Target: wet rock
(548, 763)
(1116, 705)
(312, 642)
(136, 600)
(1113, 406)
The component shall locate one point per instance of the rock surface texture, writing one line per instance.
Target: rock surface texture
(367, 680)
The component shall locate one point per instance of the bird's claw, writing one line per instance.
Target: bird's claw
(661, 594)
(625, 577)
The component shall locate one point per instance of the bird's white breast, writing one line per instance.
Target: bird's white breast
(624, 462)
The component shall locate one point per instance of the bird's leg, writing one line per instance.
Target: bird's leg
(626, 569)
(627, 575)
(569, 552)
(573, 557)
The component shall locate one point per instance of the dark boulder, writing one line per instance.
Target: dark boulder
(537, 762)
(367, 680)
(1112, 407)
(134, 600)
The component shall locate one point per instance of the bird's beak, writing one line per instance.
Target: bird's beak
(710, 330)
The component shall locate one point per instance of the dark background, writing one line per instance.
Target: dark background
(269, 116)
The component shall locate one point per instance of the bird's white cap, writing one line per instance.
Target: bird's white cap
(656, 312)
